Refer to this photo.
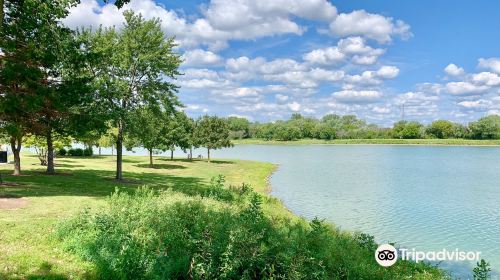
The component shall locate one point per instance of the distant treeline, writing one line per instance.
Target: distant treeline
(333, 126)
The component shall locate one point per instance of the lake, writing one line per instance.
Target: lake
(424, 197)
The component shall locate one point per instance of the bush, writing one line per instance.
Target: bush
(75, 152)
(167, 235)
(88, 152)
(62, 152)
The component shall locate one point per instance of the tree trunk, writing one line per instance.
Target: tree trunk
(50, 154)
(112, 150)
(119, 147)
(99, 150)
(171, 154)
(208, 152)
(16, 151)
(1, 14)
(190, 153)
(150, 157)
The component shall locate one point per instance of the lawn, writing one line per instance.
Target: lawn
(27, 247)
(445, 142)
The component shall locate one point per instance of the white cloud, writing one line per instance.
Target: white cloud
(281, 97)
(479, 105)
(372, 26)
(294, 106)
(354, 47)
(199, 57)
(223, 20)
(453, 70)
(353, 96)
(387, 72)
(193, 73)
(486, 78)
(492, 64)
(327, 56)
(381, 110)
(464, 88)
(319, 74)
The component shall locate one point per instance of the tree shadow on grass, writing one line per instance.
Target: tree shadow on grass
(215, 161)
(161, 166)
(93, 183)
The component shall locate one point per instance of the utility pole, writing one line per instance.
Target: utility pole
(403, 111)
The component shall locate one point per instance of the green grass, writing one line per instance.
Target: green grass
(26, 246)
(444, 142)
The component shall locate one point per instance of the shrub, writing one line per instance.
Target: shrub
(62, 152)
(166, 235)
(88, 152)
(75, 152)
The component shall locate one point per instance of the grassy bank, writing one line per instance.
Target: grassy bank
(444, 142)
(30, 250)
(26, 248)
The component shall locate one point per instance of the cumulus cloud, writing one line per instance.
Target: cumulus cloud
(354, 48)
(477, 105)
(464, 88)
(199, 57)
(492, 64)
(223, 20)
(486, 78)
(326, 56)
(453, 70)
(281, 97)
(294, 106)
(387, 72)
(372, 26)
(353, 96)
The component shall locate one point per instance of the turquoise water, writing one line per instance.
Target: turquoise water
(424, 197)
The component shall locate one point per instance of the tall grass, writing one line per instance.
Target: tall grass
(220, 234)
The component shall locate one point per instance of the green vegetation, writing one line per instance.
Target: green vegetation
(335, 127)
(450, 142)
(212, 133)
(207, 227)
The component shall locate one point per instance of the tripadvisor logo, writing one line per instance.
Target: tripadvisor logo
(386, 255)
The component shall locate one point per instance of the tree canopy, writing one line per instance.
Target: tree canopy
(212, 133)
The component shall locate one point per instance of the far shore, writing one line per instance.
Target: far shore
(423, 142)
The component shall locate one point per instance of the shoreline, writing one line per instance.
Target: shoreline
(374, 142)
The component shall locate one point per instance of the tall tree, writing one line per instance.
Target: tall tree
(149, 128)
(133, 68)
(29, 81)
(181, 131)
(212, 133)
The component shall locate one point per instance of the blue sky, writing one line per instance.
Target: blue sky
(267, 59)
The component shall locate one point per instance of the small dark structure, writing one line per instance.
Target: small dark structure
(3, 157)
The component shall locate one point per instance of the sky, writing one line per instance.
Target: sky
(267, 59)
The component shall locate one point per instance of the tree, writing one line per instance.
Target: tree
(29, 78)
(212, 133)
(149, 128)
(239, 127)
(440, 129)
(108, 139)
(486, 128)
(482, 271)
(181, 131)
(407, 130)
(39, 144)
(132, 69)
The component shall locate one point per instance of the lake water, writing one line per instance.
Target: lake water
(424, 197)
